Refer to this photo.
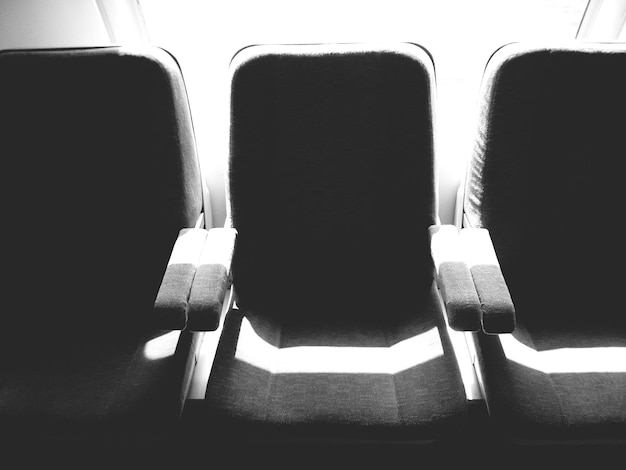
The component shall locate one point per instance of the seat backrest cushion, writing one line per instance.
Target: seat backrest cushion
(331, 177)
(99, 173)
(546, 177)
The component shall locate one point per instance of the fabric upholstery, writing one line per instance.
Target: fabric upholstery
(194, 285)
(256, 389)
(546, 171)
(80, 128)
(498, 314)
(212, 280)
(99, 174)
(532, 400)
(172, 301)
(335, 145)
(454, 279)
(338, 332)
(206, 302)
(122, 387)
(544, 179)
(497, 309)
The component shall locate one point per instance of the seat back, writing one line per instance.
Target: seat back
(546, 177)
(99, 173)
(331, 177)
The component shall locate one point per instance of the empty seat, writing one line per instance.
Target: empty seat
(337, 334)
(544, 186)
(99, 175)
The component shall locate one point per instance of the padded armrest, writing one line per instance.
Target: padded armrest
(171, 304)
(498, 311)
(195, 280)
(454, 279)
(212, 280)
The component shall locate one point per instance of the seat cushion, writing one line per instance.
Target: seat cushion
(556, 383)
(331, 380)
(124, 386)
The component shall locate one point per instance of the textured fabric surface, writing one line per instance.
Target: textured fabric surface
(497, 308)
(454, 279)
(98, 143)
(171, 304)
(459, 295)
(254, 389)
(205, 303)
(498, 315)
(338, 147)
(547, 169)
(125, 386)
(533, 399)
(338, 332)
(99, 174)
(212, 280)
(544, 179)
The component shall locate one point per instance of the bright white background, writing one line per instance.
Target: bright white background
(460, 34)
(205, 34)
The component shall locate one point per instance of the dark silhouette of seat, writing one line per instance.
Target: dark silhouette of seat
(545, 182)
(99, 175)
(338, 333)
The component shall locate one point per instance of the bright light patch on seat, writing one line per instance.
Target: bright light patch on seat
(408, 353)
(565, 360)
(162, 346)
(477, 247)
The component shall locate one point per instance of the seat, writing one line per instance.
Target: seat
(100, 175)
(337, 335)
(543, 181)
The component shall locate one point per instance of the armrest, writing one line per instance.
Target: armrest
(196, 280)
(212, 280)
(498, 311)
(454, 279)
(171, 304)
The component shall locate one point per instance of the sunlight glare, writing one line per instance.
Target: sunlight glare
(565, 360)
(408, 353)
(162, 346)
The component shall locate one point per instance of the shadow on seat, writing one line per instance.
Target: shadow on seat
(99, 174)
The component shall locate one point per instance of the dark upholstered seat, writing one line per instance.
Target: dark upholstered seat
(546, 181)
(338, 332)
(99, 174)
